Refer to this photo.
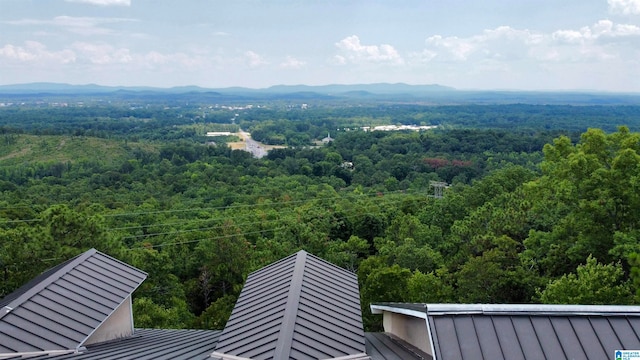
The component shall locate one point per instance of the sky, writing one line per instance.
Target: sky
(465, 44)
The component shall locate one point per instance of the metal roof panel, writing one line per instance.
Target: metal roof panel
(313, 305)
(62, 307)
(536, 332)
(380, 346)
(150, 344)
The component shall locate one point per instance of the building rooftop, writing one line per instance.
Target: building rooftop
(67, 306)
(504, 331)
(150, 344)
(300, 307)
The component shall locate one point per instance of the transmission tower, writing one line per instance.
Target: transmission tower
(438, 188)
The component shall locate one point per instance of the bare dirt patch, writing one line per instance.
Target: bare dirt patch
(15, 154)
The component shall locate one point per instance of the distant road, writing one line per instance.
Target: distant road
(251, 145)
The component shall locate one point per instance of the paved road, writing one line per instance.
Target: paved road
(251, 145)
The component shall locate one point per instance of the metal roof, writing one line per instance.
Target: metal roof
(163, 344)
(147, 344)
(381, 346)
(411, 309)
(300, 307)
(61, 308)
(496, 331)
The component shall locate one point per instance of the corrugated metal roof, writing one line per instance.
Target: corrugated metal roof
(62, 307)
(497, 331)
(147, 344)
(300, 307)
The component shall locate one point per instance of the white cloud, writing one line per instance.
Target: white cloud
(626, 7)
(82, 25)
(423, 56)
(352, 51)
(192, 62)
(604, 40)
(102, 54)
(568, 36)
(36, 52)
(604, 31)
(339, 60)
(253, 59)
(292, 63)
(503, 42)
(458, 49)
(103, 2)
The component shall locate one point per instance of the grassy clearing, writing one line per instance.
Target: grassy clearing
(16, 149)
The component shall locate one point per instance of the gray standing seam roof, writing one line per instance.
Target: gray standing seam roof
(61, 308)
(300, 307)
(150, 344)
(513, 332)
(381, 346)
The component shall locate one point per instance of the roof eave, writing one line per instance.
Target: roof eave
(532, 309)
(41, 353)
(508, 309)
(381, 308)
(222, 356)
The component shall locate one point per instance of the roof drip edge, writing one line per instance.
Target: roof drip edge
(360, 356)
(222, 356)
(40, 353)
(532, 309)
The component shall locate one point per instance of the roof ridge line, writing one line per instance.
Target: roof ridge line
(37, 288)
(285, 335)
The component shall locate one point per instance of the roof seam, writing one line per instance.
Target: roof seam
(515, 332)
(582, 346)
(455, 331)
(285, 338)
(495, 330)
(555, 332)
(604, 348)
(632, 328)
(613, 329)
(538, 338)
(475, 330)
(37, 288)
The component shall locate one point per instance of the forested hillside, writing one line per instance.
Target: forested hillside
(539, 209)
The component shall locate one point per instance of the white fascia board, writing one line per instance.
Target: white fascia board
(222, 356)
(361, 356)
(37, 353)
(537, 309)
(379, 309)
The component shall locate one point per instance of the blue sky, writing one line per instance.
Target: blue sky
(488, 44)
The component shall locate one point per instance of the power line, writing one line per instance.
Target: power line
(275, 221)
(198, 240)
(208, 228)
(372, 195)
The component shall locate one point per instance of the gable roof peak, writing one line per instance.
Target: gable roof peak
(65, 306)
(299, 307)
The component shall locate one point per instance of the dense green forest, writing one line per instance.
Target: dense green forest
(542, 205)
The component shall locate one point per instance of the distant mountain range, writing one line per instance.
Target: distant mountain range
(381, 88)
(362, 93)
